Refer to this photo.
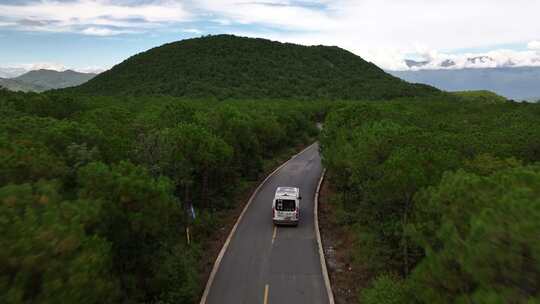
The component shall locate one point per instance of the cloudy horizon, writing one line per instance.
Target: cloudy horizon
(94, 35)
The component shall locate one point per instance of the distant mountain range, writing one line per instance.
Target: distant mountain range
(453, 62)
(518, 83)
(43, 80)
(450, 63)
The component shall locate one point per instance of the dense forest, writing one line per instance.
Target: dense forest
(93, 191)
(442, 198)
(440, 191)
(225, 66)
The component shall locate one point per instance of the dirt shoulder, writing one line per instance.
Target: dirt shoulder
(337, 241)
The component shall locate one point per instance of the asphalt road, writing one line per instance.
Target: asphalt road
(264, 264)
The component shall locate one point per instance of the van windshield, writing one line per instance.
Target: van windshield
(285, 205)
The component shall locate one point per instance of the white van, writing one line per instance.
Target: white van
(286, 206)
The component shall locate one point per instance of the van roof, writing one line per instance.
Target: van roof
(287, 191)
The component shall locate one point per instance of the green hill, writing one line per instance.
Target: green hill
(227, 66)
(481, 96)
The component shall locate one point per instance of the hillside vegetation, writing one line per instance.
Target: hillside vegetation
(442, 198)
(93, 191)
(233, 67)
(483, 96)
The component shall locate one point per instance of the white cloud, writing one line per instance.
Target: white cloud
(534, 45)
(277, 13)
(382, 31)
(7, 24)
(385, 30)
(94, 69)
(101, 31)
(222, 21)
(96, 31)
(95, 17)
(44, 65)
(393, 23)
(10, 72)
(192, 31)
(14, 70)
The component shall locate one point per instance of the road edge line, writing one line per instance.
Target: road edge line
(321, 251)
(233, 230)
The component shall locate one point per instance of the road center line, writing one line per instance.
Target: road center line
(274, 234)
(266, 294)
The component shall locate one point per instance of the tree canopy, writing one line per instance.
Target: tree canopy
(94, 190)
(441, 196)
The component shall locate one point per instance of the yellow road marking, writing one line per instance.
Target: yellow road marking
(274, 234)
(266, 294)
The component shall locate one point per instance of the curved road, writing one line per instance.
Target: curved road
(264, 264)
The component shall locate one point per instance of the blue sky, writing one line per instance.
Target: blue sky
(96, 34)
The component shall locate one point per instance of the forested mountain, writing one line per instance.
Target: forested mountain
(227, 66)
(42, 80)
